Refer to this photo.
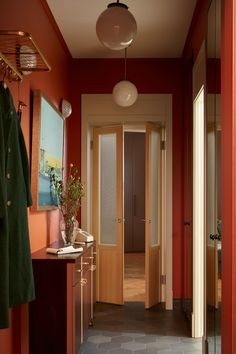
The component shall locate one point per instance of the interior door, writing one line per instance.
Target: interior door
(212, 236)
(152, 214)
(108, 212)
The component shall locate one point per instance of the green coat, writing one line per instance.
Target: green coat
(16, 274)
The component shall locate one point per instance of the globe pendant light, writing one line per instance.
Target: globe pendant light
(125, 92)
(116, 26)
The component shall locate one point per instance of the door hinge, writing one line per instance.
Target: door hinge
(163, 144)
(91, 144)
(163, 279)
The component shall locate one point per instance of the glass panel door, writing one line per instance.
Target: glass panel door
(153, 167)
(108, 186)
(108, 212)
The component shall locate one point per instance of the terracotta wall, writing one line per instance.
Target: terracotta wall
(31, 16)
(228, 175)
(150, 76)
(195, 38)
(188, 187)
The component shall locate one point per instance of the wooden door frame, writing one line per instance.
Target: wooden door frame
(100, 110)
(199, 196)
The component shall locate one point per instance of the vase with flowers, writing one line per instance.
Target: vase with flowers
(68, 193)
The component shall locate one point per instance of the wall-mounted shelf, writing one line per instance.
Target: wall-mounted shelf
(19, 55)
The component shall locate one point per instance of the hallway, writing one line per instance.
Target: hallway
(130, 329)
(134, 277)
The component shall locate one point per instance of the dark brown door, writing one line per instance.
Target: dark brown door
(134, 191)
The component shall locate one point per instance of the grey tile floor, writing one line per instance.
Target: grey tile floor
(132, 329)
(103, 342)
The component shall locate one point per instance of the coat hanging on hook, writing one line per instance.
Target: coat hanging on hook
(16, 274)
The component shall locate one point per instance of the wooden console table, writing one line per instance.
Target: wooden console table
(63, 309)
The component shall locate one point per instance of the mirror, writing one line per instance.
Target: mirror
(213, 181)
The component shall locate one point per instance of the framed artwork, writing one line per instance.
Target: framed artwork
(47, 151)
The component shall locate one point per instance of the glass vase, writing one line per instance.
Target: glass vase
(68, 226)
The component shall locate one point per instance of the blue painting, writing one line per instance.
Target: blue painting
(48, 127)
(51, 152)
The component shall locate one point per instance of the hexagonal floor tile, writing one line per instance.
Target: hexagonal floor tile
(99, 339)
(133, 346)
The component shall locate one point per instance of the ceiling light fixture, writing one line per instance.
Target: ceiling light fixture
(66, 108)
(125, 92)
(116, 26)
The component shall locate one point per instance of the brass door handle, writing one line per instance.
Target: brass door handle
(144, 220)
(83, 281)
(120, 220)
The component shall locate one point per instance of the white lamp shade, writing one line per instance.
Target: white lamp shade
(27, 59)
(116, 27)
(125, 93)
(66, 108)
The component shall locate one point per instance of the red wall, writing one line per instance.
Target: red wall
(188, 186)
(30, 16)
(196, 35)
(228, 186)
(197, 31)
(193, 43)
(149, 76)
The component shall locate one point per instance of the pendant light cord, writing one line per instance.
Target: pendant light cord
(125, 61)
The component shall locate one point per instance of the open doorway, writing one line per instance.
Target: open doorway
(100, 111)
(134, 214)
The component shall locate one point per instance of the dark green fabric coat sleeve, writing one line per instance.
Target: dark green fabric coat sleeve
(2, 164)
(2, 200)
(4, 240)
(25, 165)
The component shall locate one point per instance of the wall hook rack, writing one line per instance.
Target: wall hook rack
(19, 55)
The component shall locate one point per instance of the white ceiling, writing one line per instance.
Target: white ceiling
(162, 27)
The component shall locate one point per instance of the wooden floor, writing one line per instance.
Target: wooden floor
(134, 282)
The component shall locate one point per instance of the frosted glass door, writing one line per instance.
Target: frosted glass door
(152, 214)
(108, 186)
(108, 212)
(155, 166)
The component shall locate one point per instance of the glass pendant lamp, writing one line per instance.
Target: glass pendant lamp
(125, 92)
(116, 26)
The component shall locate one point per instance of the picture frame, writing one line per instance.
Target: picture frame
(47, 151)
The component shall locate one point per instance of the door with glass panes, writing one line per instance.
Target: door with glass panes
(108, 219)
